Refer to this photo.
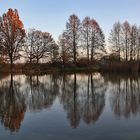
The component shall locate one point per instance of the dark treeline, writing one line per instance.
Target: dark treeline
(125, 41)
(86, 35)
(82, 43)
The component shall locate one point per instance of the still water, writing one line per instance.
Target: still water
(70, 107)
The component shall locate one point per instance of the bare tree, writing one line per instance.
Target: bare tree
(138, 45)
(86, 30)
(65, 48)
(126, 33)
(38, 45)
(29, 45)
(115, 39)
(54, 52)
(73, 33)
(97, 40)
(125, 39)
(133, 42)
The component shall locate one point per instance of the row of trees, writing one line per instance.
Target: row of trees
(79, 39)
(124, 41)
(86, 35)
(15, 42)
(38, 45)
(34, 45)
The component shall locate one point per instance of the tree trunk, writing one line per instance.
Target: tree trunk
(74, 49)
(138, 54)
(92, 46)
(119, 47)
(37, 65)
(87, 48)
(64, 58)
(126, 49)
(131, 53)
(37, 61)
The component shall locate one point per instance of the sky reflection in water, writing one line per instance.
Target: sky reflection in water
(70, 106)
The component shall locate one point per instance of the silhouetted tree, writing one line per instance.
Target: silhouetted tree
(54, 48)
(65, 48)
(29, 45)
(39, 45)
(133, 42)
(126, 33)
(115, 39)
(86, 30)
(97, 40)
(12, 33)
(138, 45)
(73, 33)
(124, 41)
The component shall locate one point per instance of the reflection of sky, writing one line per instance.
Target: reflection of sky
(51, 15)
(53, 121)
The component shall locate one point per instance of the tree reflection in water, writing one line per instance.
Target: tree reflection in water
(81, 102)
(82, 96)
(12, 105)
(95, 99)
(15, 97)
(41, 92)
(125, 95)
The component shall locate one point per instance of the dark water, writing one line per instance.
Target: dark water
(70, 107)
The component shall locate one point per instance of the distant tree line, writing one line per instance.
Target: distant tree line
(81, 40)
(124, 41)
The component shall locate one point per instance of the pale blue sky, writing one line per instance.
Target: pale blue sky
(51, 15)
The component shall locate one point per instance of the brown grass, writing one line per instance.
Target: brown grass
(132, 66)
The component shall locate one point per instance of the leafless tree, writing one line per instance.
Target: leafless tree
(126, 33)
(38, 45)
(65, 48)
(86, 30)
(115, 39)
(29, 45)
(73, 32)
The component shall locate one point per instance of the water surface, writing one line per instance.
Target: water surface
(70, 106)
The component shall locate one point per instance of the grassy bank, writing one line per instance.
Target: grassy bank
(63, 70)
(131, 66)
(49, 68)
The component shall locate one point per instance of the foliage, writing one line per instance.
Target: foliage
(12, 35)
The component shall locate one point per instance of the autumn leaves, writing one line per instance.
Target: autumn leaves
(12, 34)
(80, 39)
(35, 45)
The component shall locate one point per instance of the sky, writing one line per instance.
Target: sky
(52, 15)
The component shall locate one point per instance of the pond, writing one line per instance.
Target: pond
(70, 107)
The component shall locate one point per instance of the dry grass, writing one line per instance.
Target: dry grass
(121, 66)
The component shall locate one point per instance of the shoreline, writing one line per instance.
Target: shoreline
(110, 67)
